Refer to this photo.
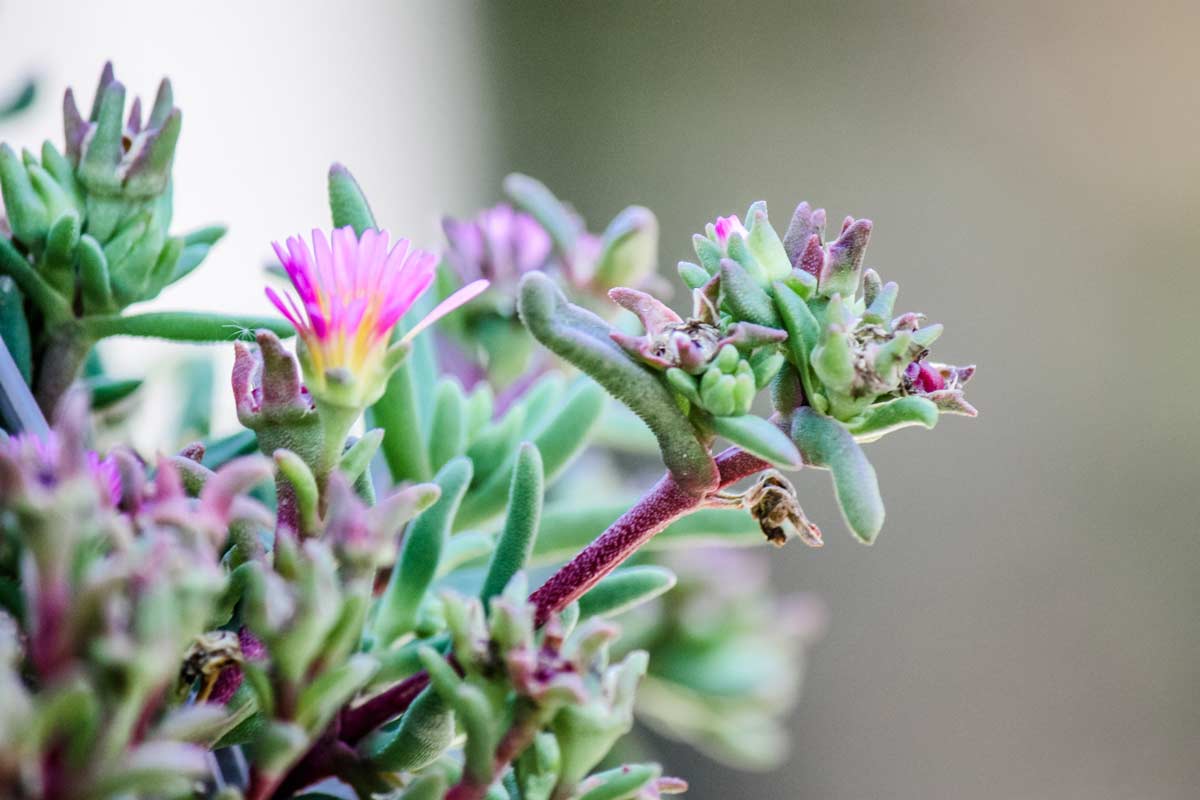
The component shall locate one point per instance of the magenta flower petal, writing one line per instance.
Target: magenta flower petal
(460, 298)
(350, 292)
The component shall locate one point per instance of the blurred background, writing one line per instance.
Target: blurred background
(1027, 625)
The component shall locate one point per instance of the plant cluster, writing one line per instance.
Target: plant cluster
(390, 583)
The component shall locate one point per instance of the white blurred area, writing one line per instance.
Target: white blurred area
(272, 93)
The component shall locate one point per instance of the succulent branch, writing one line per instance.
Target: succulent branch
(325, 601)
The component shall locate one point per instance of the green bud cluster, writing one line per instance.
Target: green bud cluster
(94, 221)
(729, 384)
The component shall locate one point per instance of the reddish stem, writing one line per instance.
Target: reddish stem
(519, 736)
(662, 505)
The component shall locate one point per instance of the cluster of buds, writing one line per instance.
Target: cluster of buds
(719, 369)
(546, 704)
(784, 312)
(93, 223)
(303, 611)
(118, 574)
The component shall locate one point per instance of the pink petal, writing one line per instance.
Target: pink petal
(459, 298)
(274, 297)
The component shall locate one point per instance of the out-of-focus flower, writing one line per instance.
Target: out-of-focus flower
(352, 293)
(41, 464)
(499, 244)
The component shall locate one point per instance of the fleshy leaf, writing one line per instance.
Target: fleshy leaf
(414, 741)
(14, 327)
(583, 339)
(744, 297)
(825, 443)
(883, 418)
(630, 248)
(515, 543)
(422, 551)
(447, 433)
(759, 437)
(185, 326)
(624, 589)
(347, 203)
(559, 440)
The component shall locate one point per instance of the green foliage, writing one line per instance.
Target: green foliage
(373, 622)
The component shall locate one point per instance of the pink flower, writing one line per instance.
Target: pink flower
(500, 243)
(351, 295)
(724, 226)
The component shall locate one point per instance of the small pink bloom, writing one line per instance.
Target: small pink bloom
(727, 225)
(353, 292)
(925, 379)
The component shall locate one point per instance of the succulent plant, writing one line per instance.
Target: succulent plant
(87, 234)
(351, 608)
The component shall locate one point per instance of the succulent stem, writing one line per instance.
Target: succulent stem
(666, 502)
(62, 358)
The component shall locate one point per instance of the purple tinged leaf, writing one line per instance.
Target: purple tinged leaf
(747, 336)
(237, 477)
(75, 127)
(654, 315)
(811, 259)
(843, 263)
(164, 102)
(149, 169)
(107, 78)
(806, 223)
(105, 148)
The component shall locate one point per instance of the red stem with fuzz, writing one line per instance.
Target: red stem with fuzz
(666, 502)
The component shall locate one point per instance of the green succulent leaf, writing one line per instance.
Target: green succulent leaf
(448, 432)
(759, 437)
(185, 326)
(515, 543)
(559, 440)
(420, 555)
(583, 339)
(883, 418)
(825, 443)
(14, 327)
(629, 248)
(107, 392)
(415, 740)
(304, 487)
(624, 589)
(347, 203)
(465, 548)
(693, 275)
(803, 333)
(622, 783)
(744, 296)
(358, 456)
(326, 695)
